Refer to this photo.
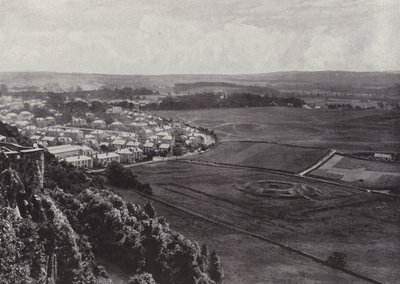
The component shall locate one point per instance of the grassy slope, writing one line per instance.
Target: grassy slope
(264, 155)
(344, 130)
(363, 230)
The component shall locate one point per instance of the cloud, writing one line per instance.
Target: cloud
(193, 36)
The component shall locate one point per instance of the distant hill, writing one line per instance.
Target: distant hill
(166, 83)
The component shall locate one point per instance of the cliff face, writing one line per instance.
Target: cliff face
(21, 177)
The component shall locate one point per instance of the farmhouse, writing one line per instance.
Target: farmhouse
(382, 156)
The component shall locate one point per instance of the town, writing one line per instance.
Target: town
(126, 136)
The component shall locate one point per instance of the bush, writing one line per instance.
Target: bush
(118, 176)
(337, 259)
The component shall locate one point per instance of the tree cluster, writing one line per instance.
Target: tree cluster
(121, 177)
(136, 239)
(211, 100)
(13, 135)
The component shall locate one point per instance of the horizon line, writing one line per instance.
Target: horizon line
(210, 74)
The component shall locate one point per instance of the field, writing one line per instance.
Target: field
(337, 218)
(360, 172)
(263, 155)
(251, 261)
(232, 185)
(343, 130)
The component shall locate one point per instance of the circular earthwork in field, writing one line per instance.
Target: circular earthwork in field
(278, 189)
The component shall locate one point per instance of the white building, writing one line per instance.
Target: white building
(64, 151)
(105, 159)
(149, 147)
(76, 121)
(80, 161)
(126, 156)
(99, 124)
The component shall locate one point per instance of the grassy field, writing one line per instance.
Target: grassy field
(360, 172)
(344, 130)
(263, 155)
(245, 259)
(339, 218)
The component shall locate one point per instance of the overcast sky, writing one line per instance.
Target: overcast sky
(199, 36)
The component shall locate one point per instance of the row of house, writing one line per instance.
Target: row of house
(86, 157)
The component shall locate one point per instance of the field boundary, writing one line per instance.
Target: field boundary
(263, 238)
(218, 205)
(365, 159)
(290, 174)
(273, 142)
(328, 155)
(368, 188)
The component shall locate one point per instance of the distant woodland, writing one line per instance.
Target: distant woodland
(211, 100)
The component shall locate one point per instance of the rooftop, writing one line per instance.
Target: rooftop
(77, 158)
(107, 155)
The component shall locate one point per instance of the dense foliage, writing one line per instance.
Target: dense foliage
(125, 233)
(121, 177)
(13, 135)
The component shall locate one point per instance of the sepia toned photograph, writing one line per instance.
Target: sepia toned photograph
(199, 141)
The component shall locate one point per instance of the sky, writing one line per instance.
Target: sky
(199, 36)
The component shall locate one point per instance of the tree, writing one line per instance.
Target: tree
(105, 148)
(3, 89)
(41, 111)
(150, 210)
(119, 176)
(27, 106)
(337, 259)
(108, 120)
(203, 258)
(66, 117)
(145, 278)
(215, 268)
(98, 107)
(55, 100)
(178, 150)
